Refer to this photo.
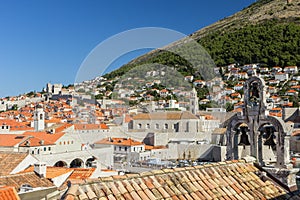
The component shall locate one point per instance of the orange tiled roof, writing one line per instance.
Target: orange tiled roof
(51, 172)
(34, 142)
(53, 120)
(148, 147)
(45, 136)
(9, 161)
(119, 141)
(8, 193)
(224, 180)
(165, 116)
(81, 173)
(238, 110)
(296, 133)
(90, 126)
(128, 118)
(62, 128)
(275, 109)
(10, 140)
(30, 178)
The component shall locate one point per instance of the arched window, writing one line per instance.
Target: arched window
(41, 116)
(166, 126)
(156, 126)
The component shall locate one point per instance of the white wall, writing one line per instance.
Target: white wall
(59, 180)
(29, 160)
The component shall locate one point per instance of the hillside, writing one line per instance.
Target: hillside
(259, 12)
(266, 32)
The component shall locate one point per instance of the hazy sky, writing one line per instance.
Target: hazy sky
(47, 40)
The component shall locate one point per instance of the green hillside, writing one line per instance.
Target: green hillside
(266, 32)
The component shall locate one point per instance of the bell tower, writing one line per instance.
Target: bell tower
(39, 118)
(266, 138)
(194, 102)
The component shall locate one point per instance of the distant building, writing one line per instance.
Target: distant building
(280, 76)
(53, 89)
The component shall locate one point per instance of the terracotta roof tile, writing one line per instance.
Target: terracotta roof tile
(51, 172)
(30, 178)
(9, 161)
(119, 141)
(171, 115)
(51, 138)
(227, 180)
(8, 193)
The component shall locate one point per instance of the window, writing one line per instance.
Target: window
(139, 126)
(45, 148)
(68, 142)
(133, 148)
(166, 126)
(49, 148)
(41, 116)
(32, 152)
(120, 148)
(156, 126)
(187, 127)
(72, 142)
(147, 126)
(176, 127)
(60, 143)
(125, 148)
(64, 142)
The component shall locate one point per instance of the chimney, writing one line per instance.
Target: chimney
(40, 169)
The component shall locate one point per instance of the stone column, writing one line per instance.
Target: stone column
(235, 144)
(229, 149)
(286, 151)
(260, 150)
(253, 138)
(280, 149)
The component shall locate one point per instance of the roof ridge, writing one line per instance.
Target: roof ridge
(18, 174)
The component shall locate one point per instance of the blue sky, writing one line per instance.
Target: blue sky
(46, 41)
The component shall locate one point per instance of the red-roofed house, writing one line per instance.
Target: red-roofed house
(291, 92)
(189, 78)
(125, 149)
(62, 142)
(199, 83)
(238, 87)
(296, 87)
(164, 92)
(291, 69)
(280, 76)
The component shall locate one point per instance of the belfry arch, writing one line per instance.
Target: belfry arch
(255, 117)
(266, 138)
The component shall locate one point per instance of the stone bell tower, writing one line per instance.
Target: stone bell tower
(260, 135)
(39, 118)
(194, 102)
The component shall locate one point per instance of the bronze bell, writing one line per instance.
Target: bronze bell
(244, 139)
(270, 139)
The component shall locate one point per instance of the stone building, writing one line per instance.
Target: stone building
(254, 133)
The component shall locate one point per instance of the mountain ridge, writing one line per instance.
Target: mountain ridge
(268, 13)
